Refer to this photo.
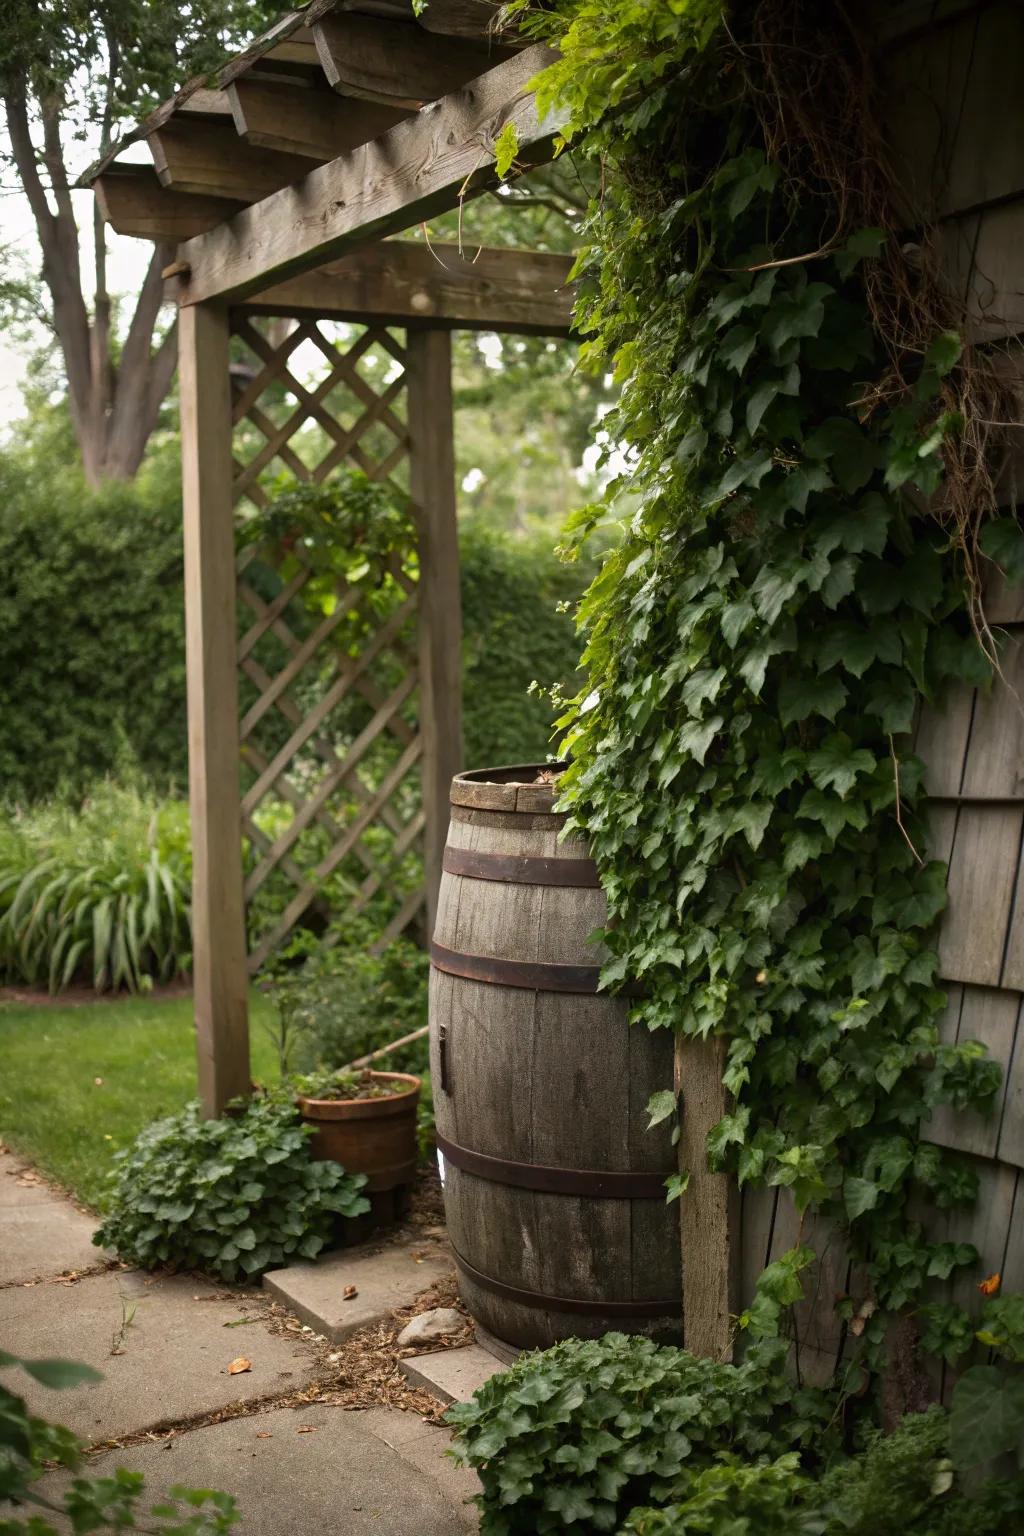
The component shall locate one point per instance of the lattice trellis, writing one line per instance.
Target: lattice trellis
(330, 739)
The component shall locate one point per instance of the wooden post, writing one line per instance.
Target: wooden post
(218, 919)
(432, 477)
(709, 1208)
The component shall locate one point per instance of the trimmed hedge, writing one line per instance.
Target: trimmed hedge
(92, 666)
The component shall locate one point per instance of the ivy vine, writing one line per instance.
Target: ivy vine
(759, 643)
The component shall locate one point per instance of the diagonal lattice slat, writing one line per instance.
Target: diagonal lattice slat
(330, 738)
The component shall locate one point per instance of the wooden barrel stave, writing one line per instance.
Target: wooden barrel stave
(549, 1078)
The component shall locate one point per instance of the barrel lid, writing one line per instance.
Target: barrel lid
(511, 788)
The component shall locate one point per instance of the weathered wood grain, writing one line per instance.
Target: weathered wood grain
(220, 976)
(209, 160)
(399, 282)
(396, 63)
(982, 873)
(133, 203)
(432, 486)
(317, 124)
(421, 167)
(550, 1078)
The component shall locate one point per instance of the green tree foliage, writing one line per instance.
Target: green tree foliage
(80, 73)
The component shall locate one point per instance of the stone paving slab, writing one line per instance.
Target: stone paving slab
(176, 1350)
(453, 1375)
(425, 1445)
(40, 1233)
(389, 1278)
(344, 1473)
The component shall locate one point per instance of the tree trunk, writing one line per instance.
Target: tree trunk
(113, 409)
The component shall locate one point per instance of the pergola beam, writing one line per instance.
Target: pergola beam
(422, 167)
(133, 202)
(401, 283)
(301, 120)
(395, 63)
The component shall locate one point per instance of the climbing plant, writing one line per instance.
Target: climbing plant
(811, 488)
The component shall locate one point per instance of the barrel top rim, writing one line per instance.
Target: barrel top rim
(509, 787)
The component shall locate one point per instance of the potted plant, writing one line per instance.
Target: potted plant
(366, 1121)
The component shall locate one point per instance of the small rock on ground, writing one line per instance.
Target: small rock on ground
(428, 1327)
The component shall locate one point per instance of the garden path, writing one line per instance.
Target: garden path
(169, 1406)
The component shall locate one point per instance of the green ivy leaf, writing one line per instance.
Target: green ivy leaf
(660, 1106)
(837, 764)
(859, 1195)
(987, 1415)
(1003, 541)
(506, 148)
(801, 697)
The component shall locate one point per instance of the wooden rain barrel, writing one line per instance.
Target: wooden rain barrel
(553, 1186)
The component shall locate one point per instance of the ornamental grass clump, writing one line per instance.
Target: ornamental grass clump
(231, 1197)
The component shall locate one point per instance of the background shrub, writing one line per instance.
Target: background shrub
(92, 635)
(343, 1002)
(91, 628)
(99, 891)
(231, 1197)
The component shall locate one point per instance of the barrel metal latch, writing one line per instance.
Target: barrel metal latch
(442, 1050)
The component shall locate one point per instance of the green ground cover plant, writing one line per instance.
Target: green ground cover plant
(622, 1435)
(30, 1445)
(79, 1082)
(231, 1197)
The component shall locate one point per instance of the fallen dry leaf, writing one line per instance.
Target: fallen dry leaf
(349, 1293)
(264, 1434)
(306, 1429)
(238, 1366)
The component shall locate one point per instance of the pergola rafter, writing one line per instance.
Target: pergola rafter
(280, 178)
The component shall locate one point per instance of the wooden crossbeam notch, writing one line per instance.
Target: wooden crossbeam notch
(133, 202)
(396, 62)
(208, 160)
(420, 168)
(404, 283)
(299, 120)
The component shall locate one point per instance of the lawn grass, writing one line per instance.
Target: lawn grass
(55, 1113)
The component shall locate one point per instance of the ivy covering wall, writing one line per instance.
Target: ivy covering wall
(798, 576)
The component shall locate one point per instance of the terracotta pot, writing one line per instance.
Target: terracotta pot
(372, 1136)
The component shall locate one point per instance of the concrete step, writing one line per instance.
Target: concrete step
(384, 1278)
(453, 1375)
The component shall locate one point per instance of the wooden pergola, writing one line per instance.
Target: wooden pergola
(280, 181)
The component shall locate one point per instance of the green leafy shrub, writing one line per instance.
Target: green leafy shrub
(342, 1002)
(905, 1483)
(591, 1429)
(346, 530)
(732, 1499)
(28, 1445)
(516, 630)
(92, 650)
(98, 892)
(231, 1197)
